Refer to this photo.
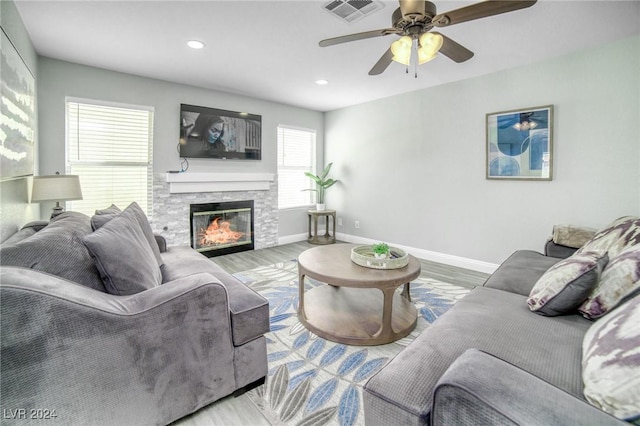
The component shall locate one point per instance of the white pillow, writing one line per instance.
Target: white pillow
(619, 281)
(611, 362)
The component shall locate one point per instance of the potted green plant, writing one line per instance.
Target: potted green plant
(322, 183)
(380, 250)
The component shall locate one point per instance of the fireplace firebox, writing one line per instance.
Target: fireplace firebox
(222, 228)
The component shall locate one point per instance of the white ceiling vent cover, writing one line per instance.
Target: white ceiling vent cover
(352, 10)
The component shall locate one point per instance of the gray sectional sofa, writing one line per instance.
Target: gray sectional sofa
(74, 353)
(491, 360)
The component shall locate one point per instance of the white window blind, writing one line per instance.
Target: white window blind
(296, 155)
(110, 147)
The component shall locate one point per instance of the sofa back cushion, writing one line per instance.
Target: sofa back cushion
(57, 249)
(611, 362)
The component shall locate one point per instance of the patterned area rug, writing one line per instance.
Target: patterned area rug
(313, 381)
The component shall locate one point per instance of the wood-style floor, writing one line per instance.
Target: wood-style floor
(240, 411)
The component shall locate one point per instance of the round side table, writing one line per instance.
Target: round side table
(328, 237)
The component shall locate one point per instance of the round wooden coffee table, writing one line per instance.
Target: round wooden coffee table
(360, 305)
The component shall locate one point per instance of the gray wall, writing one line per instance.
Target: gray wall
(15, 209)
(59, 79)
(413, 166)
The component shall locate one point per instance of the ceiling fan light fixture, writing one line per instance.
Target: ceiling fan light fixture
(424, 57)
(525, 125)
(431, 43)
(401, 50)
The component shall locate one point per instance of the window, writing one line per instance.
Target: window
(296, 155)
(110, 147)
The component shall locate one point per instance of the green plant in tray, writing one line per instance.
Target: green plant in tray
(380, 248)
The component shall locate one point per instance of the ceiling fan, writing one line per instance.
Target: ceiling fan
(415, 19)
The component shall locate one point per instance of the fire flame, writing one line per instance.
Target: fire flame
(218, 233)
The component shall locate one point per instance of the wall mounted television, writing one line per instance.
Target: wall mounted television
(216, 133)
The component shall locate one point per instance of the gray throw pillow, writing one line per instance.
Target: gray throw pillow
(567, 284)
(123, 256)
(112, 209)
(103, 216)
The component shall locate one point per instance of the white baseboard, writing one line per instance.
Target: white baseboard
(292, 238)
(447, 259)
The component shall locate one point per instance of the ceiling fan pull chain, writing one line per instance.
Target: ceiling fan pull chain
(415, 57)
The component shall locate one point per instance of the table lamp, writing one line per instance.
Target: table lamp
(56, 188)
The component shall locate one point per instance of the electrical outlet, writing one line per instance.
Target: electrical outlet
(339, 221)
(357, 224)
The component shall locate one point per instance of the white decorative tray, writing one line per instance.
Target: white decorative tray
(364, 256)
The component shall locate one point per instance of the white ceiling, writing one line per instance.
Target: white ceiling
(269, 49)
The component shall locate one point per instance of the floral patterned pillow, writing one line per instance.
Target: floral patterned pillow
(567, 284)
(619, 281)
(621, 233)
(611, 362)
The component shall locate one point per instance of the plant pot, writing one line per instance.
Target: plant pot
(380, 255)
(320, 207)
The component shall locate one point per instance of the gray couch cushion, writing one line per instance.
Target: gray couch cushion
(249, 310)
(494, 321)
(58, 250)
(123, 256)
(520, 272)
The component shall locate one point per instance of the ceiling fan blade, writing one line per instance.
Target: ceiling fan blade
(479, 10)
(357, 36)
(412, 8)
(382, 64)
(454, 50)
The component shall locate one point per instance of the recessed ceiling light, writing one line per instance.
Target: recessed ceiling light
(195, 44)
(321, 82)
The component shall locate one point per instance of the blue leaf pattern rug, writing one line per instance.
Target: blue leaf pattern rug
(313, 381)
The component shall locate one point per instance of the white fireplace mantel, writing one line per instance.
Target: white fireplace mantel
(180, 183)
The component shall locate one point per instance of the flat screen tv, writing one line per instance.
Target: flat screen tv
(216, 133)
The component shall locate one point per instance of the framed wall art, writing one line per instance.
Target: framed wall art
(520, 144)
(216, 133)
(17, 108)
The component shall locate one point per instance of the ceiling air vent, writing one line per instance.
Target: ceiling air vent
(352, 10)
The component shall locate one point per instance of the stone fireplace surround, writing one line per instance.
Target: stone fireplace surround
(174, 192)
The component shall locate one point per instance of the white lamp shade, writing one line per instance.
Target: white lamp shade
(56, 188)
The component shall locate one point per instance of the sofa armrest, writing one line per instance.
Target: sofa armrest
(552, 249)
(96, 358)
(162, 242)
(479, 388)
(249, 310)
